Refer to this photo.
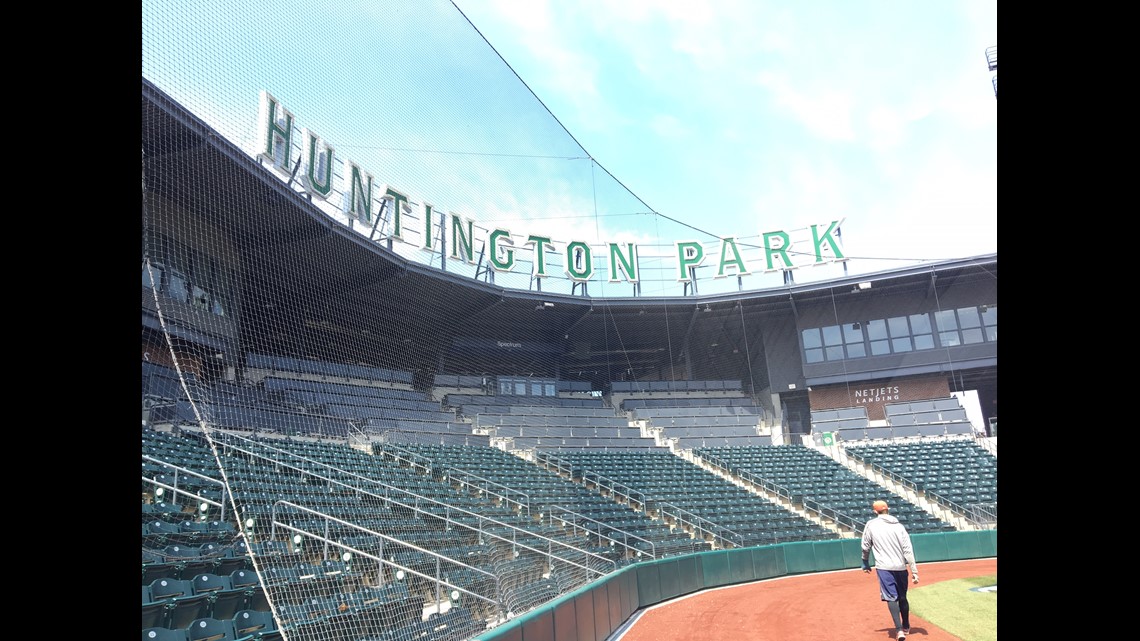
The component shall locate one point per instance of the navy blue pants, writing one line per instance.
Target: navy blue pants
(893, 587)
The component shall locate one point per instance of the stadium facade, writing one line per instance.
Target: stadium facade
(369, 418)
(242, 243)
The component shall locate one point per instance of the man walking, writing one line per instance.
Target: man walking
(890, 542)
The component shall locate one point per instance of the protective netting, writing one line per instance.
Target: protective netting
(378, 401)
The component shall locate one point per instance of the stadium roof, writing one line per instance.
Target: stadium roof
(379, 304)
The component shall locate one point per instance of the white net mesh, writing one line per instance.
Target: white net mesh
(378, 401)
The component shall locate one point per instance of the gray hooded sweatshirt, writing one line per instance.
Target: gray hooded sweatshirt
(890, 542)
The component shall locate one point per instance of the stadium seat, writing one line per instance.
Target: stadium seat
(225, 600)
(253, 623)
(210, 629)
(160, 570)
(182, 605)
(163, 634)
(153, 614)
(244, 579)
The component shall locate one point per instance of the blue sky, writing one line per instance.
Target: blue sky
(672, 121)
(734, 114)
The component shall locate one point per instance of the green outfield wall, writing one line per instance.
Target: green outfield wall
(597, 610)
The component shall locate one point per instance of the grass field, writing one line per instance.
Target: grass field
(957, 608)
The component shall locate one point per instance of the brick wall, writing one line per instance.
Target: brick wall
(874, 395)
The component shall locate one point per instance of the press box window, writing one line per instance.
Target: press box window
(853, 338)
(813, 345)
(970, 323)
(900, 334)
(921, 331)
(833, 343)
(989, 320)
(947, 324)
(877, 334)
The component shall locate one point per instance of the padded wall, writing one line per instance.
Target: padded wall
(594, 612)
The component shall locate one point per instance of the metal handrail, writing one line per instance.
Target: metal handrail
(839, 517)
(413, 459)
(560, 465)
(807, 504)
(179, 470)
(756, 480)
(625, 535)
(956, 509)
(698, 523)
(460, 476)
(380, 560)
(616, 488)
(964, 512)
(448, 509)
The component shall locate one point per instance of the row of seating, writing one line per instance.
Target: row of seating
(822, 480)
(721, 440)
(570, 443)
(663, 478)
(570, 411)
(489, 420)
(551, 431)
(631, 404)
(462, 402)
(292, 385)
(709, 409)
(326, 368)
(462, 381)
(175, 603)
(958, 470)
(245, 625)
(186, 561)
(377, 491)
(894, 433)
(633, 387)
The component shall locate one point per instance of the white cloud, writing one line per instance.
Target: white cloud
(791, 115)
(827, 113)
(667, 125)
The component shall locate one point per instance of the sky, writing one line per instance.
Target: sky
(730, 115)
(635, 121)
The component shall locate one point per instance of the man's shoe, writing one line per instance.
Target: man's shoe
(901, 635)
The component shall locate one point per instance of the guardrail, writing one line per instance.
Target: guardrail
(616, 489)
(576, 518)
(440, 560)
(173, 487)
(702, 525)
(466, 480)
(517, 532)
